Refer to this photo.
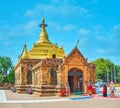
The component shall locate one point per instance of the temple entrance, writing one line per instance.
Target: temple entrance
(75, 79)
(29, 77)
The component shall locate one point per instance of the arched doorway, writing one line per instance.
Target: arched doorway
(75, 79)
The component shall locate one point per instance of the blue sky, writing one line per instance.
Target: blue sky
(96, 23)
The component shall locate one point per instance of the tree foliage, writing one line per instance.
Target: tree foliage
(10, 78)
(105, 69)
(6, 70)
(5, 64)
(118, 73)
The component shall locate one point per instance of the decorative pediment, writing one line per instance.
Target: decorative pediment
(75, 57)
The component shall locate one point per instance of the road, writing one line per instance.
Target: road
(9, 99)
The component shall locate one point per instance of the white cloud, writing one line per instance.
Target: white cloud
(30, 13)
(102, 38)
(7, 43)
(63, 8)
(69, 27)
(30, 25)
(55, 2)
(14, 31)
(115, 31)
(22, 29)
(90, 2)
(101, 51)
(83, 41)
(114, 36)
(16, 13)
(83, 32)
(116, 27)
(100, 41)
(54, 26)
(109, 40)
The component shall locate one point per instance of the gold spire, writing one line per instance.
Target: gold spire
(43, 48)
(24, 52)
(43, 37)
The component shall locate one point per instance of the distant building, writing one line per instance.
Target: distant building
(47, 69)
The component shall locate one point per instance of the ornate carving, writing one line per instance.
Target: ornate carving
(35, 78)
(29, 77)
(53, 77)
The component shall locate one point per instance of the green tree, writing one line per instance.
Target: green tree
(102, 67)
(10, 78)
(0, 76)
(117, 73)
(5, 66)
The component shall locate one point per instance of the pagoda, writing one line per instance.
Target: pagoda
(46, 69)
(43, 48)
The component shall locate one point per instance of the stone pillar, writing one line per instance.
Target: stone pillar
(33, 77)
(67, 89)
(85, 74)
(58, 78)
(22, 75)
(58, 87)
(42, 78)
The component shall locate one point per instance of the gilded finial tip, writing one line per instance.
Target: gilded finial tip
(43, 20)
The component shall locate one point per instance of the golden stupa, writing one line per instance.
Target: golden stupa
(43, 48)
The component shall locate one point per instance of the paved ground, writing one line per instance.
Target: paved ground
(9, 99)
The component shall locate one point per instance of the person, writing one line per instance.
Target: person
(94, 89)
(62, 92)
(104, 90)
(29, 90)
(90, 89)
(112, 90)
(97, 89)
